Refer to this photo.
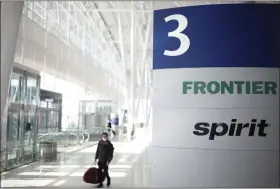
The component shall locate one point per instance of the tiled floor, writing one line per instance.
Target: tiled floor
(128, 168)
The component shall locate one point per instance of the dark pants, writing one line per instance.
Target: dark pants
(104, 168)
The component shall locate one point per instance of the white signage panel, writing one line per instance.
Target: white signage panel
(223, 129)
(213, 168)
(216, 88)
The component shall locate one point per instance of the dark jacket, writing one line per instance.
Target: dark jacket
(105, 151)
(109, 125)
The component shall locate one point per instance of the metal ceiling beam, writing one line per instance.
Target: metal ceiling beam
(100, 32)
(114, 10)
(145, 43)
(132, 63)
(177, 3)
(144, 60)
(126, 42)
(121, 40)
(105, 23)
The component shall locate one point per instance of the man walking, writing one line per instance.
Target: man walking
(104, 155)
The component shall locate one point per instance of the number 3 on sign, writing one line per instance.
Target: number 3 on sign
(184, 40)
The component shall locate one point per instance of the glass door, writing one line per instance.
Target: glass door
(30, 125)
(20, 131)
(13, 138)
(29, 134)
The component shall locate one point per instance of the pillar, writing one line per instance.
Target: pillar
(132, 86)
(216, 96)
(11, 12)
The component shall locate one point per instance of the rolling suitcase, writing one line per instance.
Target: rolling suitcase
(91, 176)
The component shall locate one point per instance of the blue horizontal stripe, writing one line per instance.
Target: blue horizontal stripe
(230, 35)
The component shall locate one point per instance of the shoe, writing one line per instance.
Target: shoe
(100, 185)
(109, 183)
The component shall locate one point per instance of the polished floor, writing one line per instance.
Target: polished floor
(129, 168)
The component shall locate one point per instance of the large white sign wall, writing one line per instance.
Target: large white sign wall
(216, 96)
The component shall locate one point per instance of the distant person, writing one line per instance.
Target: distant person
(110, 128)
(103, 157)
(132, 134)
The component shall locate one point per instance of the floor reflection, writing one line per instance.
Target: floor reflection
(128, 168)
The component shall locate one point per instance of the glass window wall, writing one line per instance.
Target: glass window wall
(31, 91)
(50, 111)
(13, 137)
(20, 134)
(16, 88)
(79, 31)
(13, 128)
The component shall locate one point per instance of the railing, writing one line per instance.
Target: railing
(63, 138)
(86, 135)
(94, 133)
(16, 155)
(81, 138)
(122, 132)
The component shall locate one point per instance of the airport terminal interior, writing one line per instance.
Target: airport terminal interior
(75, 66)
(68, 68)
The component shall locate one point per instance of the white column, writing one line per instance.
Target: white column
(132, 63)
(147, 85)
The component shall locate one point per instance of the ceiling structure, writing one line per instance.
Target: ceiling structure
(119, 31)
(128, 25)
(123, 36)
(115, 35)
